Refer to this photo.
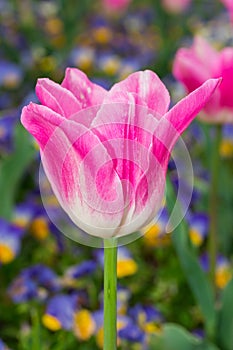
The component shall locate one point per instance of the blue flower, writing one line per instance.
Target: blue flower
(23, 214)
(11, 74)
(59, 313)
(132, 333)
(85, 268)
(3, 346)
(198, 227)
(7, 124)
(223, 271)
(34, 282)
(226, 147)
(10, 241)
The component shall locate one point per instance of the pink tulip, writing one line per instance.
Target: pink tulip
(117, 5)
(105, 153)
(229, 6)
(200, 62)
(175, 6)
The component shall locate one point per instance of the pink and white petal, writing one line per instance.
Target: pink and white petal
(57, 98)
(127, 131)
(40, 121)
(183, 113)
(177, 119)
(148, 198)
(148, 88)
(125, 120)
(87, 93)
(123, 128)
(71, 161)
(150, 189)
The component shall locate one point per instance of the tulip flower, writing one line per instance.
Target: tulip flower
(175, 6)
(116, 5)
(106, 153)
(192, 66)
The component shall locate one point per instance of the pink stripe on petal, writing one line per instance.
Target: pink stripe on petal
(87, 93)
(57, 98)
(176, 120)
(148, 89)
(40, 121)
(182, 114)
(147, 198)
(71, 161)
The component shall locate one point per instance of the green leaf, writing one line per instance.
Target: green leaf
(12, 169)
(194, 274)
(197, 280)
(225, 319)
(175, 337)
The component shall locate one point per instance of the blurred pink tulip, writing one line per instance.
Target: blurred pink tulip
(175, 6)
(117, 5)
(105, 153)
(200, 62)
(229, 6)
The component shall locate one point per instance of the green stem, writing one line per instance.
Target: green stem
(213, 204)
(110, 294)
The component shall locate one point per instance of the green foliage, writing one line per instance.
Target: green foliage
(175, 337)
(195, 276)
(12, 169)
(225, 318)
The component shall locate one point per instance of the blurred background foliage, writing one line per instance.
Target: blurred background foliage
(51, 288)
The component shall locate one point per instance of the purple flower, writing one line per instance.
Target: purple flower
(59, 313)
(83, 269)
(10, 241)
(34, 282)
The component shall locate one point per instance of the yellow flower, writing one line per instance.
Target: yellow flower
(196, 237)
(51, 322)
(226, 148)
(100, 338)
(222, 276)
(84, 324)
(126, 267)
(6, 254)
(39, 228)
(154, 236)
(102, 35)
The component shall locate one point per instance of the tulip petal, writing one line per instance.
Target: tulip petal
(148, 88)
(87, 93)
(192, 67)
(80, 171)
(226, 71)
(177, 119)
(40, 121)
(57, 98)
(127, 131)
(183, 113)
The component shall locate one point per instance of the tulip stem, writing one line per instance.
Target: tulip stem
(213, 204)
(110, 294)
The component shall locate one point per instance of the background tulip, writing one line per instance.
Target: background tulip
(106, 153)
(175, 6)
(116, 4)
(192, 66)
